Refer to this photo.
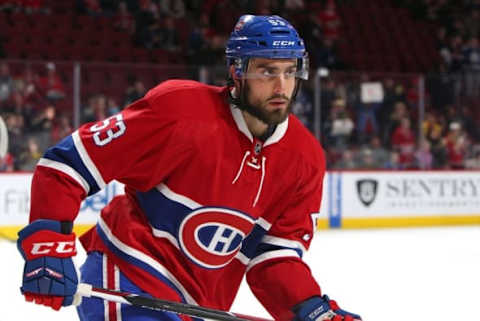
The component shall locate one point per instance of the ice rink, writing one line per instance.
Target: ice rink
(384, 275)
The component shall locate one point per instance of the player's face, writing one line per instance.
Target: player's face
(269, 88)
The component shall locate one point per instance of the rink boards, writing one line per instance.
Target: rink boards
(352, 199)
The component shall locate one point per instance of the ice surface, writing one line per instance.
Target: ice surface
(383, 275)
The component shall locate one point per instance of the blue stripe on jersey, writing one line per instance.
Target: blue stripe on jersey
(250, 244)
(264, 247)
(156, 207)
(132, 260)
(65, 152)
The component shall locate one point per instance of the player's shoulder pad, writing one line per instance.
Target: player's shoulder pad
(186, 98)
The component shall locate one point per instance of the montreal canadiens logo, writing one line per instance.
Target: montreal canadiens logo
(212, 236)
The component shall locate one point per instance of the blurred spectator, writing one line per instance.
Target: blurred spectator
(93, 7)
(472, 21)
(16, 136)
(100, 108)
(469, 123)
(302, 107)
(311, 29)
(172, 8)
(380, 155)
(328, 95)
(413, 94)
(62, 127)
(266, 7)
(27, 85)
(347, 161)
(389, 99)
(7, 163)
(29, 158)
(366, 159)
(367, 125)
(441, 85)
(341, 125)
(403, 141)
(325, 55)
(109, 7)
(42, 126)
(166, 36)
(135, 92)
(474, 162)
(97, 109)
(145, 22)
(112, 106)
(400, 111)
(27, 6)
(223, 14)
(123, 19)
(294, 6)
(431, 124)
(51, 84)
(452, 54)
(441, 40)
(197, 43)
(6, 82)
(330, 21)
(16, 104)
(471, 65)
(423, 156)
(456, 143)
(394, 162)
(438, 150)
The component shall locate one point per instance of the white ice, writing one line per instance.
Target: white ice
(383, 275)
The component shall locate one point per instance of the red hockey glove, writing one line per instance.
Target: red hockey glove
(322, 309)
(49, 276)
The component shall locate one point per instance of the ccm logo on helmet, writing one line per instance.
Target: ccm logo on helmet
(283, 43)
(43, 248)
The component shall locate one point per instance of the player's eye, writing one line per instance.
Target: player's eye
(290, 73)
(269, 73)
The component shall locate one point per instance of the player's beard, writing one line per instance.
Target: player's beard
(259, 109)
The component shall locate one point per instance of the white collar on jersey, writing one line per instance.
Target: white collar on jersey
(242, 126)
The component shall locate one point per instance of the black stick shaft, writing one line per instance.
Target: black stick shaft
(86, 290)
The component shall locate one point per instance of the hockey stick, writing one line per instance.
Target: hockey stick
(87, 290)
(3, 138)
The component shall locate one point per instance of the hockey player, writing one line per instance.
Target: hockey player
(219, 183)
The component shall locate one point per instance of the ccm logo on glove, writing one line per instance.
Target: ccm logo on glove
(52, 247)
(36, 245)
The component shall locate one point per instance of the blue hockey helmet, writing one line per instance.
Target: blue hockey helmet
(267, 37)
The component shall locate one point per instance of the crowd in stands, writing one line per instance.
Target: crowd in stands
(389, 133)
(356, 134)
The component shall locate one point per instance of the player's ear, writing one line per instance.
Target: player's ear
(233, 75)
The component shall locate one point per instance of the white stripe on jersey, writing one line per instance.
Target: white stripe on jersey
(271, 255)
(168, 193)
(162, 234)
(87, 161)
(274, 240)
(145, 259)
(242, 258)
(118, 306)
(264, 224)
(69, 171)
(105, 285)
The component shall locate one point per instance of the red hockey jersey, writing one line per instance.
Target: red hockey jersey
(205, 201)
